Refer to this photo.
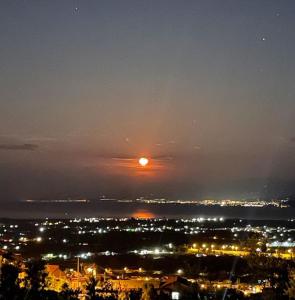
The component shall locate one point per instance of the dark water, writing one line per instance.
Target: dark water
(115, 209)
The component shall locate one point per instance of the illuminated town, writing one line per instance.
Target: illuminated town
(215, 202)
(180, 258)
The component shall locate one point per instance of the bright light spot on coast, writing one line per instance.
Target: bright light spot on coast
(143, 161)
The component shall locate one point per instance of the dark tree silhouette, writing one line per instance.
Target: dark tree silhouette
(9, 285)
(35, 280)
(69, 294)
(91, 288)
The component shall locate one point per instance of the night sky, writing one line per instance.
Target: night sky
(205, 89)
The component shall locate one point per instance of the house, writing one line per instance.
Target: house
(178, 288)
(56, 277)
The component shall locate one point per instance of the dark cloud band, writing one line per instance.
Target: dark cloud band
(24, 147)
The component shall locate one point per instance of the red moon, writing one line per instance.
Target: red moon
(143, 161)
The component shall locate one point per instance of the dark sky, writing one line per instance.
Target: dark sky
(205, 89)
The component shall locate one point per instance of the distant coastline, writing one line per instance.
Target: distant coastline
(114, 208)
(279, 203)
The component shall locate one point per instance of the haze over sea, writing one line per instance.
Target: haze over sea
(98, 208)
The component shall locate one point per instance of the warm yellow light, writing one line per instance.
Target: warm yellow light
(143, 161)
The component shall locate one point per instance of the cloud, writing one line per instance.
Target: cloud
(24, 147)
(152, 157)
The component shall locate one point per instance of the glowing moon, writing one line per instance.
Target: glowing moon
(143, 161)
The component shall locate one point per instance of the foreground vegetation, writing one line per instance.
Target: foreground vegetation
(31, 282)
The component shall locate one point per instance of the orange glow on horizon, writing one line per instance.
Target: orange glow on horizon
(143, 214)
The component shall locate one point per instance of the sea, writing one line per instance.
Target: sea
(114, 209)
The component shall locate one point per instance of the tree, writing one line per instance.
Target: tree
(290, 289)
(148, 292)
(273, 269)
(134, 294)
(35, 280)
(69, 294)
(9, 285)
(123, 295)
(91, 288)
